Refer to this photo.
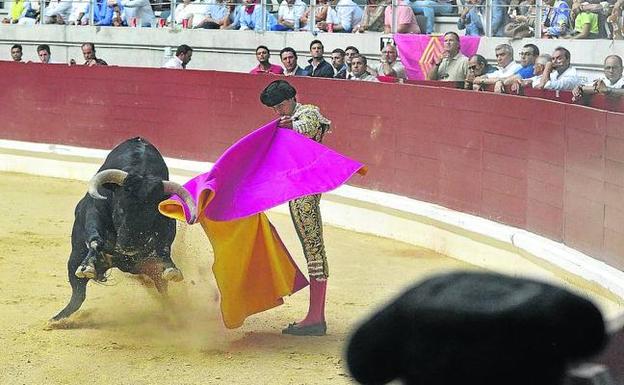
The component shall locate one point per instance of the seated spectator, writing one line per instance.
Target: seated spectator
(556, 19)
(182, 57)
(585, 23)
(217, 16)
(88, 52)
(105, 13)
(43, 51)
(57, 12)
(251, 17)
(289, 15)
(264, 66)
(141, 10)
(477, 67)
(338, 62)
(558, 74)
(359, 69)
(405, 18)
(182, 11)
(506, 66)
(288, 56)
(431, 8)
(318, 67)
(20, 13)
(478, 328)
(79, 14)
(389, 66)
(611, 84)
(615, 20)
(522, 20)
(528, 55)
(347, 15)
(373, 17)
(471, 18)
(350, 52)
(320, 14)
(538, 70)
(16, 52)
(452, 65)
(234, 15)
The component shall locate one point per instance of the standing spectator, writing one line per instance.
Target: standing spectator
(430, 9)
(338, 62)
(556, 19)
(477, 67)
(389, 66)
(264, 67)
(88, 52)
(452, 65)
(16, 52)
(348, 15)
(558, 74)
(318, 67)
(611, 84)
(406, 20)
(304, 211)
(251, 17)
(471, 18)
(373, 17)
(359, 68)
(57, 12)
(288, 56)
(289, 15)
(506, 66)
(182, 57)
(43, 51)
(141, 10)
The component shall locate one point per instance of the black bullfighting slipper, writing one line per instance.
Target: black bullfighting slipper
(319, 329)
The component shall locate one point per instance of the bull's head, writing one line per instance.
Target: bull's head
(135, 203)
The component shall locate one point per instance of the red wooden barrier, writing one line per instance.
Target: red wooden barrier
(553, 168)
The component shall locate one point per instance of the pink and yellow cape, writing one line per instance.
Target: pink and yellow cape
(266, 168)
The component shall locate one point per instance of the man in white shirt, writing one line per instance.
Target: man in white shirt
(359, 69)
(348, 14)
(611, 84)
(57, 12)
(139, 9)
(181, 59)
(558, 74)
(289, 15)
(389, 66)
(506, 66)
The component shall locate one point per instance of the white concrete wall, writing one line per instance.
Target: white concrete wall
(234, 50)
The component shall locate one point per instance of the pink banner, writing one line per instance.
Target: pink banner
(418, 53)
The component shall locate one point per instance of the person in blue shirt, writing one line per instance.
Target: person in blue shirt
(471, 19)
(251, 17)
(104, 12)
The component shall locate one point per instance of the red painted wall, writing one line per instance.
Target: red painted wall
(555, 169)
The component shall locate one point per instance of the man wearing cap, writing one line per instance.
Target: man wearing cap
(305, 211)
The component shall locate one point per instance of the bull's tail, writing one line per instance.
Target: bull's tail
(79, 292)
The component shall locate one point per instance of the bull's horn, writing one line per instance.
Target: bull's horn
(105, 176)
(174, 188)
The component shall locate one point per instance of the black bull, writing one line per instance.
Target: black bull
(117, 223)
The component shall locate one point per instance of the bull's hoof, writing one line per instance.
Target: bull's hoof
(85, 271)
(172, 274)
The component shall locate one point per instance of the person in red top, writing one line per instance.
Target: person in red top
(264, 67)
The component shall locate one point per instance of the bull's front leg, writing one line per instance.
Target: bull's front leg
(170, 271)
(87, 266)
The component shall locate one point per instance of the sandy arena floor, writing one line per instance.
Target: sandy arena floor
(124, 334)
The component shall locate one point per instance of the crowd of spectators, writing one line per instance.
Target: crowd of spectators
(549, 71)
(575, 19)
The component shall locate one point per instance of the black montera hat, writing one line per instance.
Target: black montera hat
(276, 92)
(476, 328)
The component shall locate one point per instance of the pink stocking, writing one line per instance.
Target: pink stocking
(316, 311)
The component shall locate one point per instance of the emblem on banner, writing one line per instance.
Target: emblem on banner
(432, 52)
